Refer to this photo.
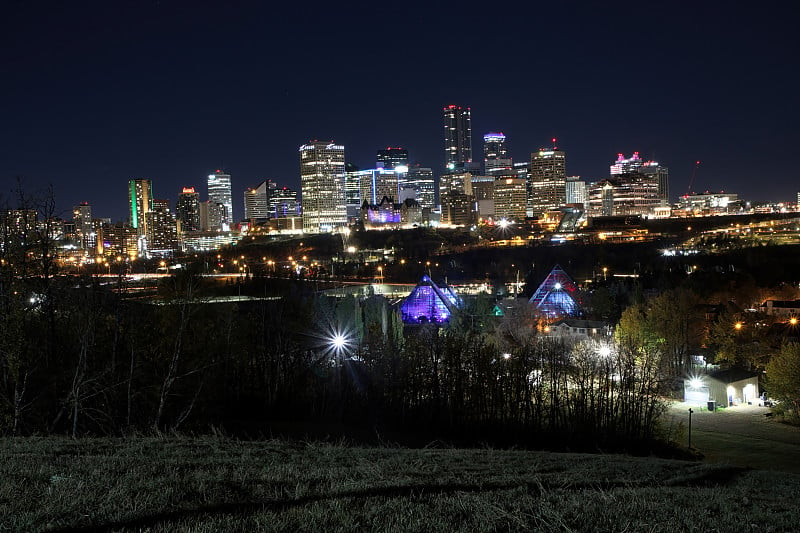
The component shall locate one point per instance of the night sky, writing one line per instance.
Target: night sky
(96, 93)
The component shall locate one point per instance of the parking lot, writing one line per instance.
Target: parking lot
(741, 435)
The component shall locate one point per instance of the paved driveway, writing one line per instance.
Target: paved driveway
(742, 436)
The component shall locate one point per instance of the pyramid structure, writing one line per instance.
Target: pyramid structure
(429, 303)
(557, 295)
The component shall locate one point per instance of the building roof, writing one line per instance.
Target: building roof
(790, 304)
(579, 323)
(732, 375)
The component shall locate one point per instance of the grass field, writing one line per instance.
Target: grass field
(218, 484)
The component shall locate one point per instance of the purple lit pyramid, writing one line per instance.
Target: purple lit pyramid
(557, 294)
(429, 303)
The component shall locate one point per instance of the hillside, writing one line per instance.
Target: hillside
(217, 484)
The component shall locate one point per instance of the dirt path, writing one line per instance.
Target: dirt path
(742, 436)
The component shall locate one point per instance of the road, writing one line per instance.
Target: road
(742, 436)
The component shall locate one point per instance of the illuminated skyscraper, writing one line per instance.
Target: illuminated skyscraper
(421, 179)
(188, 209)
(457, 136)
(283, 203)
(82, 217)
(322, 186)
(256, 201)
(140, 202)
(652, 169)
(509, 198)
(495, 156)
(391, 158)
(575, 190)
(219, 192)
(548, 179)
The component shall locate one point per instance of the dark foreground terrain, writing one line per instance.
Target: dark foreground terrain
(218, 484)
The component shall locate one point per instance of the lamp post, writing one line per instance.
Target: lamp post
(690, 427)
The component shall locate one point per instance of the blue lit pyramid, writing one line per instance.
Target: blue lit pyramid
(556, 296)
(429, 303)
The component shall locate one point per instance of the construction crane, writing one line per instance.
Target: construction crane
(691, 180)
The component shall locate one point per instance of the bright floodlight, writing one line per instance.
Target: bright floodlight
(506, 356)
(503, 223)
(695, 383)
(604, 351)
(339, 341)
(557, 286)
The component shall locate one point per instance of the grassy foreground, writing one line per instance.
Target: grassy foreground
(216, 484)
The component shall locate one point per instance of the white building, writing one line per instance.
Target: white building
(322, 179)
(219, 192)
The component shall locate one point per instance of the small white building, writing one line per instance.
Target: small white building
(725, 387)
(781, 308)
(577, 330)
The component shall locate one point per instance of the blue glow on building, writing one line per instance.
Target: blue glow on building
(429, 303)
(556, 296)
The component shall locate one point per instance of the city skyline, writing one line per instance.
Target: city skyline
(104, 94)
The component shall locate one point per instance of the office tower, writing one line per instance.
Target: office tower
(256, 201)
(631, 193)
(162, 228)
(575, 190)
(219, 192)
(548, 180)
(82, 217)
(322, 186)
(161, 204)
(377, 183)
(495, 156)
(118, 239)
(457, 199)
(188, 210)
(624, 166)
(391, 158)
(140, 202)
(483, 191)
(457, 136)
(352, 191)
(423, 182)
(661, 175)
(212, 216)
(510, 198)
(283, 203)
(653, 169)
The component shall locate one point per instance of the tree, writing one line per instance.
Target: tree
(783, 377)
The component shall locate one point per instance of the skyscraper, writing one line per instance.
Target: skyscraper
(219, 192)
(322, 186)
(256, 201)
(422, 180)
(548, 179)
(652, 169)
(283, 203)
(509, 198)
(140, 202)
(391, 158)
(457, 136)
(82, 217)
(188, 209)
(660, 174)
(575, 190)
(495, 155)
